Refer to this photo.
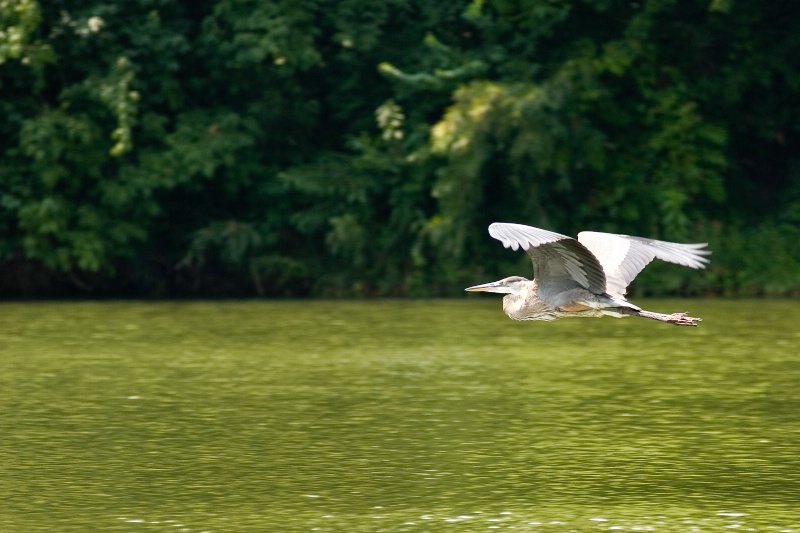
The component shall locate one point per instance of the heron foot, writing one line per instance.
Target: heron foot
(683, 319)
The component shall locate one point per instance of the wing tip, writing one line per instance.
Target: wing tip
(697, 254)
(525, 236)
(495, 231)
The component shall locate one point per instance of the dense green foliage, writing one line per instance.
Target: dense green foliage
(347, 147)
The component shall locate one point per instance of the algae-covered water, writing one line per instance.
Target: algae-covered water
(397, 416)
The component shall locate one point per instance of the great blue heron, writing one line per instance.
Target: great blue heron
(586, 277)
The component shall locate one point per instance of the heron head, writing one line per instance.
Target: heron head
(509, 285)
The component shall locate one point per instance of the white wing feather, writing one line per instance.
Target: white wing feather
(515, 235)
(623, 257)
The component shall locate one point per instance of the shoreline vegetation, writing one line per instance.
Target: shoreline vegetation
(308, 148)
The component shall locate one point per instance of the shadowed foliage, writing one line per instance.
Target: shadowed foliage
(340, 148)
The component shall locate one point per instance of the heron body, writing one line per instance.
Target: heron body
(584, 277)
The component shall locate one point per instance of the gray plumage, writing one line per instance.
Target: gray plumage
(586, 277)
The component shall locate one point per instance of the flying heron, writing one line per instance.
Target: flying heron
(586, 277)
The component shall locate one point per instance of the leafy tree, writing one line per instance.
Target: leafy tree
(347, 147)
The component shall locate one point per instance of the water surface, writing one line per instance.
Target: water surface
(397, 416)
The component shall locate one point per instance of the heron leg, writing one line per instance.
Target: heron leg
(678, 319)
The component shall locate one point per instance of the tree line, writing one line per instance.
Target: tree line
(166, 148)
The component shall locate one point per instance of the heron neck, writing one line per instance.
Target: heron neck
(524, 304)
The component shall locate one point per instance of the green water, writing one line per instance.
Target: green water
(397, 416)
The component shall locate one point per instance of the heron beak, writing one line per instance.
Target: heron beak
(494, 286)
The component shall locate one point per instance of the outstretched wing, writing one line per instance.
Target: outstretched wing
(623, 257)
(560, 263)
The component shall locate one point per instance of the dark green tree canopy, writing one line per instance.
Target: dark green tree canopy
(351, 147)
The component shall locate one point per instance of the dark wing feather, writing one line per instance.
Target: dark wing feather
(560, 263)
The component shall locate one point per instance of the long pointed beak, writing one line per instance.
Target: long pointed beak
(486, 287)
